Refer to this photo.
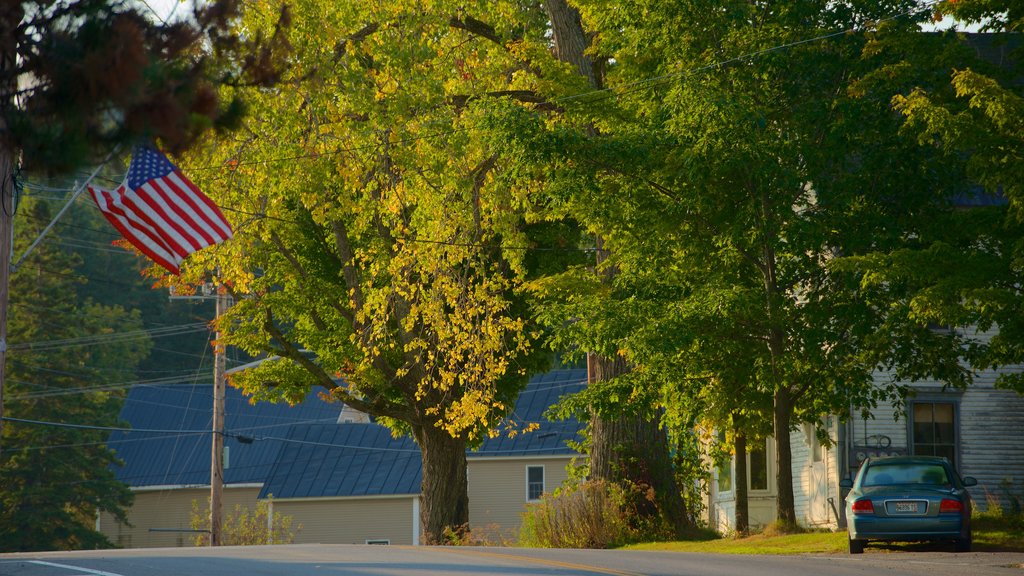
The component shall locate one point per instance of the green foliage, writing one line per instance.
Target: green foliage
(594, 514)
(55, 480)
(389, 239)
(245, 527)
(736, 200)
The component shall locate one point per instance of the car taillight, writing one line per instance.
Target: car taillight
(950, 505)
(863, 507)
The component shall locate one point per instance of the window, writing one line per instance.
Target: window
(933, 426)
(380, 542)
(725, 476)
(534, 482)
(757, 467)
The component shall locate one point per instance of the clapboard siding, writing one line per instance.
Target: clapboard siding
(351, 520)
(171, 509)
(497, 493)
(991, 447)
(992, 440)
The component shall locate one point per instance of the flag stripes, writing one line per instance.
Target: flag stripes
(164, 215)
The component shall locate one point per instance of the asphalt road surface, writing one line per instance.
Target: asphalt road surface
(337, 560)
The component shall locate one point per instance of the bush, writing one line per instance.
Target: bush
(1007, 507)
(593, 514)
(244, 528)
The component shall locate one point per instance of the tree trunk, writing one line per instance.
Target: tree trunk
(444, 511)
(571, 42)
(784, 403)
(785, 506)
(740, 482)
(625, 449)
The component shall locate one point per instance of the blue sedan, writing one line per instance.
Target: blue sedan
(908, 498)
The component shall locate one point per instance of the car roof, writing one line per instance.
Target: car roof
(908, 460)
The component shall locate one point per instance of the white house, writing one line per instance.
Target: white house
(979, 429)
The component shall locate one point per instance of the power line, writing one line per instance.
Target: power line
(101, 428)
(114, 337)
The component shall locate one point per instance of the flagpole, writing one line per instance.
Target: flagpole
(67, 205)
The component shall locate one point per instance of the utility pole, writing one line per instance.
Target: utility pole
(10, 18)
(217, 450)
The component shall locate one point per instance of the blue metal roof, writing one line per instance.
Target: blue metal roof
(344, 460)
(168, 458)
(542, 392)
(327, 460)
(301, 451)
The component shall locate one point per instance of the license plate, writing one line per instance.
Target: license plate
(906, 506)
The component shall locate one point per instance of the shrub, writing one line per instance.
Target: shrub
(593, 514)
(244, 528)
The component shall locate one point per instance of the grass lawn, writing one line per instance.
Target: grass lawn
(991, 534)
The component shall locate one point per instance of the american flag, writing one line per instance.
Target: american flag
(160, 211)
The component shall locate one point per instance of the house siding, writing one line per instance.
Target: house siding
(991, 446)
(168, 509)
(990, 424)
(350, 520)
(497, 493)
(814, 483)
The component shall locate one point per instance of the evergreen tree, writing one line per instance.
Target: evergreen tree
(55, 479)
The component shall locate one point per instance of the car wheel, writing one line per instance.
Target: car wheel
(962, 544)
(857, 546)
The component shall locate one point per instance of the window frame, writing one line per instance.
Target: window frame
(933, 399)
(767, 469)
(543, 481)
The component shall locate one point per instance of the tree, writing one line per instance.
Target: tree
(79, 78)
(969, 276)
(732, 182)
(387, 239)
(55, 480)
(626, 446)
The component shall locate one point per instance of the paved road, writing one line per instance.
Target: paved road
(337, 560)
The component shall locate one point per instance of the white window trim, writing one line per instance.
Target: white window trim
(544, 481)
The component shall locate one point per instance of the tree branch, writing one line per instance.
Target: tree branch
(529, 96)
(476, 28)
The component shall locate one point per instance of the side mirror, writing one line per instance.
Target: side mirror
(848, 483)
(970, 481)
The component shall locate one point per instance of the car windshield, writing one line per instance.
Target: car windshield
(883, 474)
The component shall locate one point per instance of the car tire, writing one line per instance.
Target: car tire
(962, 544)
(857, 546)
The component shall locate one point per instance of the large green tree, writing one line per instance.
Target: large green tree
(386, 240)
(628, 444)
(742, 150)
(55, 480)
(969, 276)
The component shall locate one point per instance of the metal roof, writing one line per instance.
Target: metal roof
(345, 460)
(179, 454)
(301, 451)
(550, 438)
(351, 459)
